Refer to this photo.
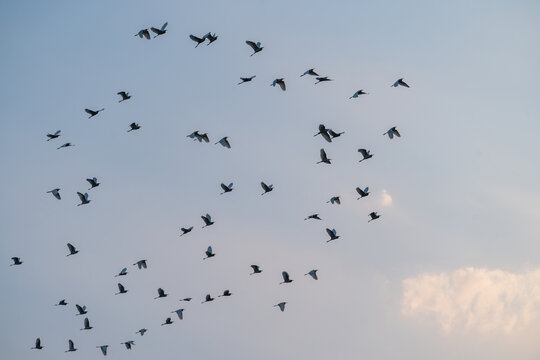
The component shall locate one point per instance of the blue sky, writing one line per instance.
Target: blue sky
(456, 246)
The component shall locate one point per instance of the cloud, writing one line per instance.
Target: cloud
(475, 299)
(386, 199)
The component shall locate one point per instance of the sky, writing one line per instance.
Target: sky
(450, 270)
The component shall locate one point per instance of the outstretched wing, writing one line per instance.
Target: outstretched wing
(253, 45)
(164, 26)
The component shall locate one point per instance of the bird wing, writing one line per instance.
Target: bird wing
(71, 345)
(334, 232)
(264, 186)
(157, 31)
(123, 271)
(252, 44)
(209, 250)
(86, 322)
(325, 135)
(57, 132)
(161, 292)
(91, 181)
(363, 152)
(91, 112)
(81, 196)
(329, 232)
(164, 26)
(285, 276)
(396, 133)
(122, 93)
(282, 85)
(230, 185)
(255, 268)
(323, 155)
(224, 187)
(38, 342)
(79, 308)
(71, 248)
(121, 287)
(196, 39)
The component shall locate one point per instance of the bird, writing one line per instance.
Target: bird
(313, 274)
(310, 72)
(93, 183)
(161, 293)
(71, 346)
(201, 137)
(61, 303)
(125, 96)
(279, 82)
(121, 289)
(207, 220)
(84, 199)
(246, 79)
(168, 321)
(286, 278)
(81, 309)
(362, 193)
(56, 193)
(391, 132)
(141, 264)
(185, 231)
(323, 131)
(211, 38)
(128, 344)
(266, 188)
(93, 112)
(134, 126)
(255, 46)
(53, 136)
(180, 313)
(198, 40)
(281, 306)
(365, 154)
(226, 188)
(122, 272)
(224, 142)
(322, 79)
(358, 93)
(324, 158)
(225, 293)
(209, 253)
(87, 324)
(68, 144)
(332, 233)
(159, 31)
(256, 269)
(143, 32)
(334, 199)
(141, 331)
(186, 299)
(208, 298)
(16, 261)
(314, 216)
(103, 349)
(72, 250)
(334, 134)
(374, 216)
(399, 82)
(38, 344)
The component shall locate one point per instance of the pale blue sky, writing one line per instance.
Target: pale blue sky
(463, 177)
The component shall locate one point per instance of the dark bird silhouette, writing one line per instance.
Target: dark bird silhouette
(38, 344)
(324, 158)
(225, 293)
(103, 349)
(141, 331)
(310, 72)
(209, 253)
(186, 299)
(122, 272)
(207, 220)
(16, 261)
(208, 298)
(125, 96)
(93, 183)
(391, 132)
(71, 346)
(134, 126)
(362, 193)
(198, 40)
(72, 250)
(373, 216)
(84, 198)
(81, 309)
(68, 144)
(255, 46)
(161, 293)
(180, 313)
(224, 142)
(323, 79)
(121, 289)
(128, 344)
(279, 82)
(143, 33)
(323, 131)
(358, 93)
(160, 31)
(197, 136)
(365, 154)
(332, 233)
(400, 82)
(286, 278)
(211, 38)
(246, 79)
(87, 324)
(53, 136)
(266, 188)
(314, 216)
(56, 193)
(281, 306)
(226, 188)
(93, 112)
(61, 303)
(334, 134)
(313, 274)
(334, 200)
(168, 321)
(185, 231)
(256, 269)
(141, 264)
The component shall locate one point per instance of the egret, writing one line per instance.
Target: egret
(121, 289)
(168, 321)
(71, 346)
(128, 344)
(324, 158)
(61, 303)
(103, 349)
(314, 216)
(226, 188)
(141, 331)
(358, 93)
(266, 188)
(198, 40)
(134, 126)
(68, 144)
(279, 82)
(93, 183)
(281, 305)
(143, 32)
(334, 134)
(125, 96)
(72, 250)
(362, 193)
(256, 269)
(211, 38)
(16, 261)
(207, 220)
(208, 298)
(180, 313)
(255, 46)
(81, 309)
(391, 132)
(161, 293)
(185, 231)
(374, 216)
(84, 199)
(38, 344)
(313, 274)
(365, 154)
(332, 233)
(246, 79)
(310, 72)
(56, 193)
(93, 113)
(322, 79)
(53, 136)
(286, 278)
(334, 200)
(186, 299)
(225, 293)
(141, 264)
(122, 272)
(399, 82)
(87, 324)
(209, 253)
(160, 31)
(224, 142)
(323, 131)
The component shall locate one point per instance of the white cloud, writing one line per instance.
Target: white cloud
(475, 299)
(386, 199)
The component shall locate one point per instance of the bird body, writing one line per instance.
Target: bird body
(225, 293)
(255, 46)
(128, 344)
(211, 38)
(323, 79)
(198, 40)
(134, 126)
(81, 309)
(53, 136)
(61, 303)
(16, 261)
(168, 321)
(141, 331)
(122, 272)
(314, 216)
(68, 144)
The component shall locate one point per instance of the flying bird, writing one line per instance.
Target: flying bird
(125, 96)
(56, 193)
(180, 313)
(81, 309)
(281, 306)
(334, 200)
(103, 349)
(314, 216)
(38, 344)
(201, 137)
(128, 344)
(256, 269)
(323, 131)
(332, 233)
(391, 132)
(279, 82)
(198, 40)
(121, 289)
(225, 293)
(208, 298)
(324, 158)
(84, 199)
(16, 261)
(255, 46)
(211, 38)
(310, 72)
(122, 272)
(207, 220)
(72, 250)
(93, 112)
(161, 293)
(246, 79)
(322, 79)
(93, 183)
(334, 134)
(185, 231)
(87, 324)
(53, 136)
(134, 126)
(159, 31)
(313, 274)
(68, 144)
(143, 33)
(362, 193)
(141, 331)
(61, 303)
(186, 299)
(399, 82)
(209, 253)
(266, 188)
(71, 346)
(373, 216)
(224, 142)
(365, 154)
(286, 278)
(168, 321)
(226, 188)
(141, 264)
(358, 93)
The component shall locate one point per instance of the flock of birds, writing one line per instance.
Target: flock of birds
(326, 133)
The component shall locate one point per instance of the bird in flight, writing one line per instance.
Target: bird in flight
(141, 331)
(103, 349)
(256, 269)
(323, 131)
(211, 38)
(143, 33)
(391, 132)
(180, 313)
(323, 79)
(334, 134)
(125, 96)
(209, 253)
(141, 264)
(93, 183)
(81, 309)
(84, 198)
(324, 158)
(160, 31)
(246, 79)
(373, 216)
(310, 72)
(266, 188)
(38, 344)
(281, 306)
(185, 231)
(208, 298)
(121, 289)
(87, 324)
(61, 303)
(314, 216)
(134, 126)
(122, 272)
(186, 299)
(365, 154)
(286, 278)
(255, 46)
(93, 112)
(128, 344)
(334, 200)
(225, 293)
(362, 193)
(332, 233)
(279, 82)
(198, 40)
(313, 274)
(68, 144)
(56, 193)
(358, 93)
(16, 261)
(161, 293)
(201, 137)
(224, 142)
(72, 250)
(226, 188)
(71, 346)
(400, 82)
(207, 220)
(54, 136)
(168, 321)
